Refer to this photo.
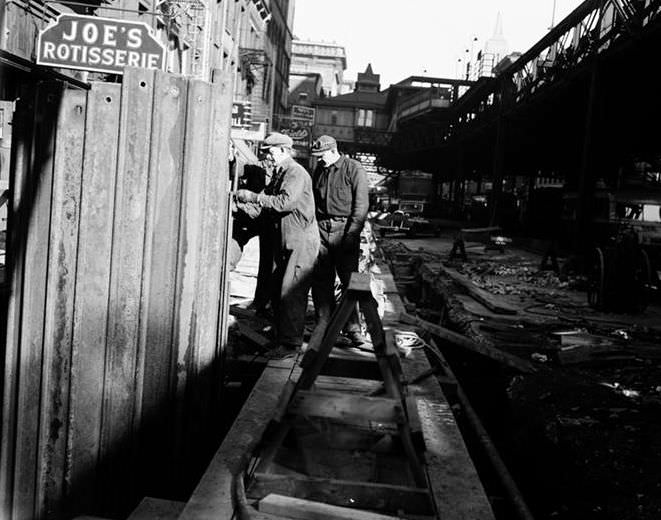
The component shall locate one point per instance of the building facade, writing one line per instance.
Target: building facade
(327, 59)
(358, 120)
(281, 36)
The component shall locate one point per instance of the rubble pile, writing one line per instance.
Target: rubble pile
(510, 278)
(584, 432)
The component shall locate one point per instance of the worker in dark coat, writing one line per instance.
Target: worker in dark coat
(248, 222)
(342, 201)
(288, 199)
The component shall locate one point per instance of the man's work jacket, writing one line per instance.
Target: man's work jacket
(340, 190)
(289, 198)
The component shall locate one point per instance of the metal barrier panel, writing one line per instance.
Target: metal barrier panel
(118, 243)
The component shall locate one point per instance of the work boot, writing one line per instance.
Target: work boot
(282, 352)
(356, 338)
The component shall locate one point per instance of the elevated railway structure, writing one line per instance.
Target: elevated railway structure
(577, 105)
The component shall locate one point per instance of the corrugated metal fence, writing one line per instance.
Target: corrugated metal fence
(115, 323)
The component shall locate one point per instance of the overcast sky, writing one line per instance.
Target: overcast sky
(404, 38)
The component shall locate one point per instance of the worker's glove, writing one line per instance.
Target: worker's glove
(245, 196)
(252, 209)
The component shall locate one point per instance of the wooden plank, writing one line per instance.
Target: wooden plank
(196, 312)
(487, 446)
(18, 225)
(121, 411)
(240, 312)
(58, 323)
(456, 487)
(92, 292)
(347, 407)
(253, 336)
(488, 300)
(212, 498)
(38, 208)
(491, 229)
(159, 278)
(359, 282)
(307, 510)
(345, 493)
(465, 343)
(346, 384)
(344, 364)
(222, 97)
(157, 509)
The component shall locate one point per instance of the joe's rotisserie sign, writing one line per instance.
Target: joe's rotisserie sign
(99, 44)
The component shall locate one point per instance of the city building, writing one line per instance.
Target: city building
(327, 59)
(358, 120)
(304, 90)
(250, 38)
(281, 37)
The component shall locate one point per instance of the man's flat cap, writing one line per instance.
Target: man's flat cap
(276, 139)
(323, 143)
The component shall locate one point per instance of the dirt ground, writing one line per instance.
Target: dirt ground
(582, 435)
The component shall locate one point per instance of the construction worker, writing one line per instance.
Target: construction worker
(249, 222)
(289, 201)
(342, 201)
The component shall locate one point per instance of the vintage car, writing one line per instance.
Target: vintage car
(407, 217)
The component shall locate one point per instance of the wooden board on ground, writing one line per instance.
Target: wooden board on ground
(335, 405)
(307, 510)
(157, 509)
(490, 301)
(461, 341)
(212, 498)
(344, 493)
(347, 384)
(456, 487)
(253, 336)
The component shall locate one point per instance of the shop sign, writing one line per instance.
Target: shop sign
(99, 44)
(303, 113)
(300, 133)
(241, 114)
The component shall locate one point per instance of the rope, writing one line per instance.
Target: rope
(407, 341)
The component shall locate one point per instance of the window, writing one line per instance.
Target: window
(333, 117)
(302, 95)
(365, 117)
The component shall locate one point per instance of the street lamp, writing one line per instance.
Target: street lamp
(470, 57)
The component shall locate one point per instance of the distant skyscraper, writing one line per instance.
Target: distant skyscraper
(495, 49)
(497, 44)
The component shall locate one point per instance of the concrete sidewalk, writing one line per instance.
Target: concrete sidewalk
(243, 279)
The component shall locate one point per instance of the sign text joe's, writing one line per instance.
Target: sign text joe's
(99, 44)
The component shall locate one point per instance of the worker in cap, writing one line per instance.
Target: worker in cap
(289, 201)
(342, 201)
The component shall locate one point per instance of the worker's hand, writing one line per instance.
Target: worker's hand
(245, 196)
(252, 209)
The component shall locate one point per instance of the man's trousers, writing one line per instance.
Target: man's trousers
(291, 283)
(335, 256)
